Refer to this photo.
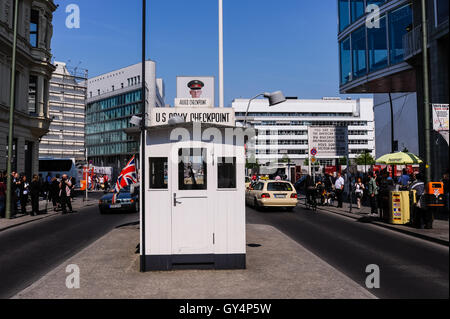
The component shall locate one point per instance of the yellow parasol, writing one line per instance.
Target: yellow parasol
(400, 158)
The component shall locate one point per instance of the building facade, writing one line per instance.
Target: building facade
(33, 73)
(383, 55)
(282, 130)
(112, 99)
(67, 99)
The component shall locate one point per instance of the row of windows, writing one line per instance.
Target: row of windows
(301, 133)
(291, 152)
(295, 114)
(358, 142)
(110, 137)
(119, 112)
(192, 171)
(282, 142)
(352, 10)
(116, 148)
(367, 50)
(131, 97)
(314, 123)
(108, 126)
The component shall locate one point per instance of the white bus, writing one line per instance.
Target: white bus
(60, 166)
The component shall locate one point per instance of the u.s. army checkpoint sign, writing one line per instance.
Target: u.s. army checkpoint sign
(222, 116)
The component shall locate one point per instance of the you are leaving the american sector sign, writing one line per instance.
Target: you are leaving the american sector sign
(222, 116)
(329, 141)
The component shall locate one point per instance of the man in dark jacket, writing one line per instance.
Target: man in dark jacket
(35, 190)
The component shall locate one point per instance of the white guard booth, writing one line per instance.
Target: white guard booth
(194, 214)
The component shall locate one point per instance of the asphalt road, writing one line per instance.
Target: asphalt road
(409, 267)
(30, 251)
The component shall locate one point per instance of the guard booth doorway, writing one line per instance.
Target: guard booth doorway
(192, 224)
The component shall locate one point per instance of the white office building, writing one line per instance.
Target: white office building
(67, 97)
(283, 129)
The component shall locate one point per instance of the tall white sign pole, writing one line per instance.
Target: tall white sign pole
(221, 90)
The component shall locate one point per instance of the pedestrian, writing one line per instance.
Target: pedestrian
(419, 208)
(339, 188)
(359, 192)
(385, 188)
(403, 180)
(15, 193)
(445, 181)
(35, 190)
(24, 188)
(2, 195)
(64, 194)
(54, 193)
(373, 193)
(73, 181)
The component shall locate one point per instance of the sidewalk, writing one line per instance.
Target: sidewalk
(21, 219)
(278, 269)
(439, 233)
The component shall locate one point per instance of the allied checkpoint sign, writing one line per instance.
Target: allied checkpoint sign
(328, 141)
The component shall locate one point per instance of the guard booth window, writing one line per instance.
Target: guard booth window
(226, 172)
(158, 173)
(192, 173)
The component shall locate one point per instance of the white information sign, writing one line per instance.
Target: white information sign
(329, 141)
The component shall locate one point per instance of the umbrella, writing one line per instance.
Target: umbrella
(400, 158)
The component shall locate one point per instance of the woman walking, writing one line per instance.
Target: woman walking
(359, 192)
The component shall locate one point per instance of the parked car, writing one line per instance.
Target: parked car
(272, 193)
(127, 200)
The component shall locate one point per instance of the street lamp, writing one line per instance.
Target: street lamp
(274, 99)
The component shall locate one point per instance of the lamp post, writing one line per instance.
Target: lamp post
(426, 94)
(221, 84)
(142, 126)
(11, 115)
(274, 99)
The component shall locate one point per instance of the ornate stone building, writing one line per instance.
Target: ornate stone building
(33, 73)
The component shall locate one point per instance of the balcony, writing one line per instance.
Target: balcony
(412, 43)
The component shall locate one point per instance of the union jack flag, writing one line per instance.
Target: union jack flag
(128, 175)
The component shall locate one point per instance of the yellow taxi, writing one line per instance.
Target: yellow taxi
(269, 193)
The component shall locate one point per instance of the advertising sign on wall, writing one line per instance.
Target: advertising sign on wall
(440, 120)
(328, 141)
(195, 91)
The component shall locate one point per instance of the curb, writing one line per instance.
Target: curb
(45, 215)
(387, 226)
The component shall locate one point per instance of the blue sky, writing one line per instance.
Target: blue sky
(288, 45)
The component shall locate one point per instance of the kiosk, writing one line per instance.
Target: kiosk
(194, 198)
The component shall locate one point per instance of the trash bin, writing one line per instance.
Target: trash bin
(399, 208)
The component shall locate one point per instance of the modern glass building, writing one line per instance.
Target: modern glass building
(113, 98)
(380, 52)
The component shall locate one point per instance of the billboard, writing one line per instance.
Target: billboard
(195, 90)
(328, 141)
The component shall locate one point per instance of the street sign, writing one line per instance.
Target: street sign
(314, 151)
(313, 160)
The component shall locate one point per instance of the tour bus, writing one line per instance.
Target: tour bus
(60, 166)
